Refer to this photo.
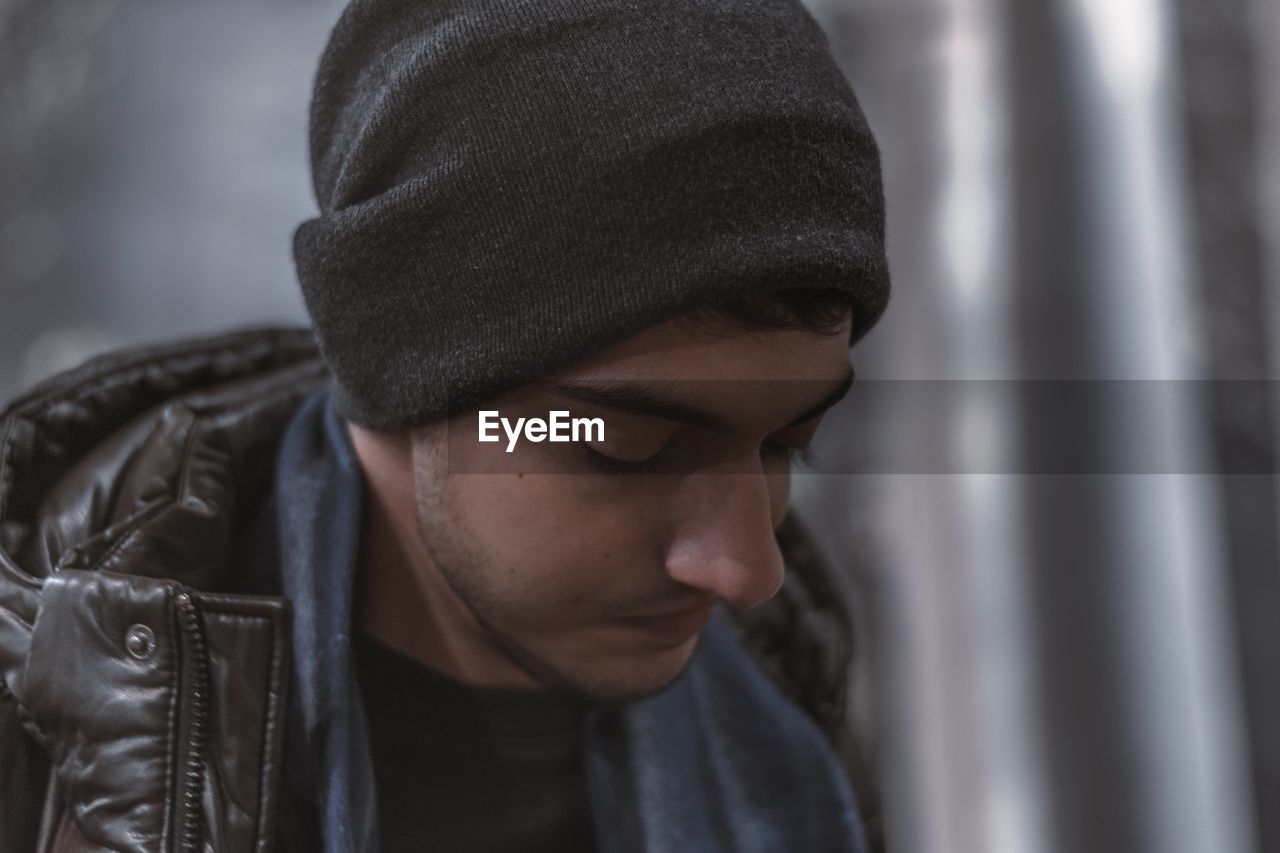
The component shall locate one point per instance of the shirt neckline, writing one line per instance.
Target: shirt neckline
(408, 695)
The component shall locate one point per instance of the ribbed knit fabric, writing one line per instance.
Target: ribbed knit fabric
(506, 186)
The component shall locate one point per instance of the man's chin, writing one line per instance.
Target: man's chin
(618, 680)
(615, 690)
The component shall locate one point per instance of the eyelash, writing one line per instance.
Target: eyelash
(796, 456)
(610, 465)
(802, 456)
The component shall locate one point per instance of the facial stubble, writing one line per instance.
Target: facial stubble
(445, 538)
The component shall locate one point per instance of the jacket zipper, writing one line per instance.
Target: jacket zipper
(196, 719)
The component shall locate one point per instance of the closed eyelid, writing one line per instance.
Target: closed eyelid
(626, 453)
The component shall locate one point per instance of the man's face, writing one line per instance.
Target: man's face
(598, 581)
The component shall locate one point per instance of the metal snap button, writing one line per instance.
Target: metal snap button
(140, 641)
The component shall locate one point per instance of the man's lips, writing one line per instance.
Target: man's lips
(671, 626)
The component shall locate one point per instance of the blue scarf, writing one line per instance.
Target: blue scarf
(721, 760)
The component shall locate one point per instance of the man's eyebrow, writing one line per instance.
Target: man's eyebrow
(653, 400)
(837, 394)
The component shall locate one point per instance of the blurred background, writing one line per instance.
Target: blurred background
(1077, 190)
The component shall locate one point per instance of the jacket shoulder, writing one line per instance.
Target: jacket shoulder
(123, 484)
(143, 451)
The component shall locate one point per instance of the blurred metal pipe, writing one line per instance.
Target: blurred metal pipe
(1266, 29)
(978, 764)
(1059, 674)
(961, 762)
(1142, 724)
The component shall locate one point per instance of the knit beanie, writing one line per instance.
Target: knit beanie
(507, 186)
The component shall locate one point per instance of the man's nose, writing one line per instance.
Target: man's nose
(724, 541)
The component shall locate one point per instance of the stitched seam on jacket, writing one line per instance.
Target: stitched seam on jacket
(171, 747)
(268, 719)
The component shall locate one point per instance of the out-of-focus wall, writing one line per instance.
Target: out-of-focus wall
(154, 162)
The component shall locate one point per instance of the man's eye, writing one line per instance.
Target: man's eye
(786, 453)
(613, 465)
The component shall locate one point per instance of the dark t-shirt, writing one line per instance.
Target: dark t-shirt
(461, 769)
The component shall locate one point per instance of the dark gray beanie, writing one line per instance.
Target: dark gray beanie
(506, 186)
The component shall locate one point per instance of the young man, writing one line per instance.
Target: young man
(258, 595)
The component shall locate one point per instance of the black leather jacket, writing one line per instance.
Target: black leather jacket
(141, 690)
